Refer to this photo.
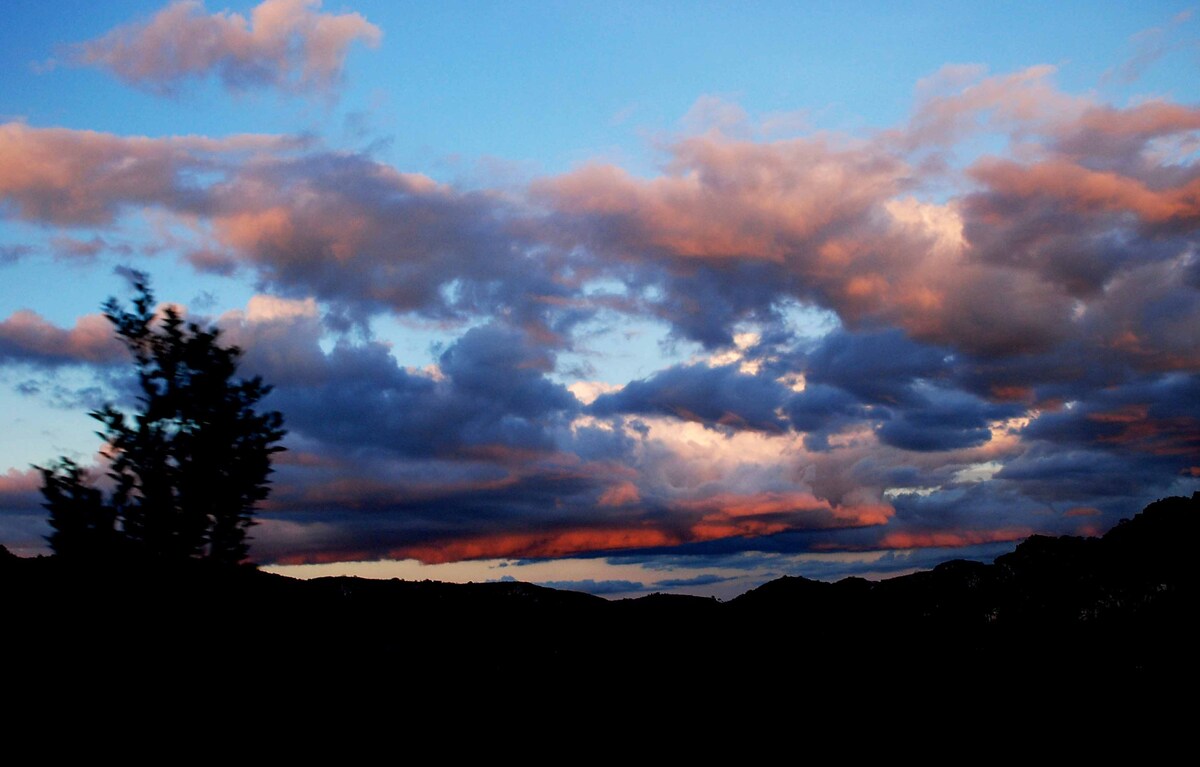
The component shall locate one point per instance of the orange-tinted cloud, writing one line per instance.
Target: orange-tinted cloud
(950, 538)
(551, 543)
(729, 516)
(725, 517)
(796, 505)
(722, 517)
(286, 44)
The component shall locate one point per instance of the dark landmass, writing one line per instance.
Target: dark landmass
(1066, 609)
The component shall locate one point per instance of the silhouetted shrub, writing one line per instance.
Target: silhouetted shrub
(188, 465)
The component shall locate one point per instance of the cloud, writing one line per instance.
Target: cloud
(489, 395)
(19, 484)
(592, 586)
(1064, 186)
(736, 228)
(10, 254)
(355, 232)
(23, 525)
(73, 249)
(730, 225)
(60, 176)
(951, 538)
(28, 338)
(621, 494)
(285, 44)
(1148, 47)
(609, 587)
(698, 580)
(944, 419)
(822, 410)
(1156, 417)
(959, 100)
(1011, 336)
(876, 366)
(728, 515)
(341, 227)
(716, 396)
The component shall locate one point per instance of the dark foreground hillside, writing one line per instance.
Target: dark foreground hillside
(1120, 606)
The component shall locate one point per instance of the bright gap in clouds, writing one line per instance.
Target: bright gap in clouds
(623, 577)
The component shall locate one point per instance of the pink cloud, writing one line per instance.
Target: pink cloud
(1088, 191)
(833, 223)
(995, 271)
(74, 177)
(286, 44)
(15, 484)
(730, 199)
(26, 336)
(958, 100)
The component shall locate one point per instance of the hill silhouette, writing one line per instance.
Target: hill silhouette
(1065, 608)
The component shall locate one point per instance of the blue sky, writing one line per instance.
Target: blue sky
(693, 294)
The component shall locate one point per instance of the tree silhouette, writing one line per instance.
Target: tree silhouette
(84, 526)
(188, 466)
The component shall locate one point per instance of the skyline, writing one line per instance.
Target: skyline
(625, 297)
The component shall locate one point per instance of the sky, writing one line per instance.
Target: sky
(624, 296)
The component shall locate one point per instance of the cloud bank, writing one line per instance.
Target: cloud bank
(1015, 335)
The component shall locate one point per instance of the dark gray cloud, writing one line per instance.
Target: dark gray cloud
(591, 586)
(1122, 442)
(698, 580)
(10, 254)
(492, 392)
(821, 410)
(704, 302)
(721, 396)
(1061, 476)
(617, 586)
(876, 366)
(934, 418)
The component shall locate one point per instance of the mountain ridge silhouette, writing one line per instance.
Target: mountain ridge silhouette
(1065, 607)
